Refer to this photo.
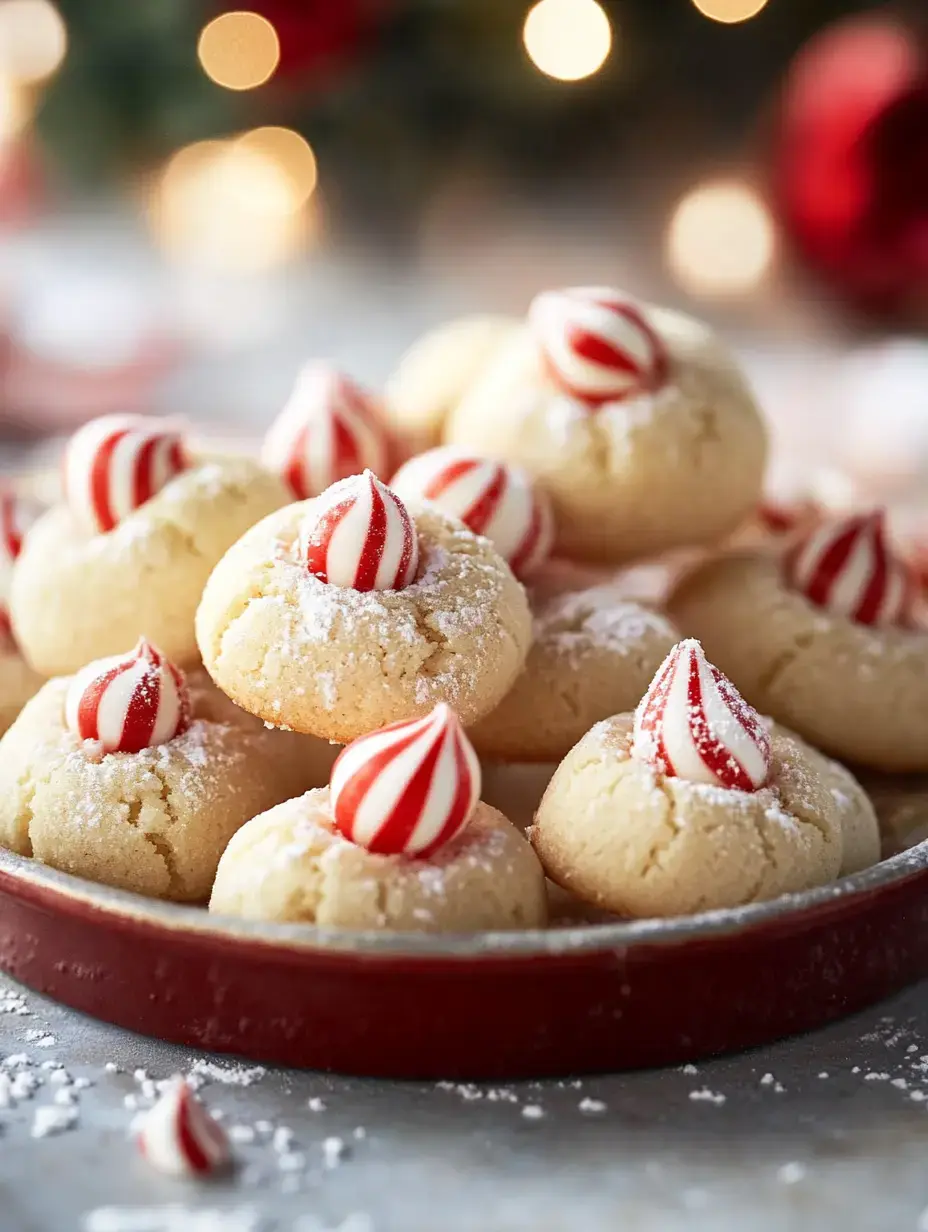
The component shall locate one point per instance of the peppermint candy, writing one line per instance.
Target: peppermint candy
(847, 567)
(328, 430)
(16, 516)
(409, 788)
(359, 535)
(597, 345)
(129, 702)
(114, 465)
(491, 498)
(179, 1137)
(779, 518)
(694, 724)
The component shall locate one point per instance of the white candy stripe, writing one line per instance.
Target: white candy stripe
(492, 498)
(328, 430)
(358, 534)
(597, 343)
(115, 464)
(179, 1137)
(694, 725)
(848, 568)
(368, 812)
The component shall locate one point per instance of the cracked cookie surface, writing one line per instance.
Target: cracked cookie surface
(859, 693)
(593, 655)
(291, 865)
(632, 479)
(338, 663)
(157, 821)
(79, 597)
(629, 840)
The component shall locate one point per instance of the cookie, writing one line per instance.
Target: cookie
(634, 419)
(155, 820)
(691, 804)
(433, 375)
(96, 574)
(314, 622)
(400, 840)
(831, 654)
(593, 654)
(18, 681)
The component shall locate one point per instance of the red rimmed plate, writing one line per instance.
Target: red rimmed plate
(494, 1005)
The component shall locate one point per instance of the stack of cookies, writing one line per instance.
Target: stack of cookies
(283, 685)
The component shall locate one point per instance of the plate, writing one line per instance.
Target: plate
(492, 1005)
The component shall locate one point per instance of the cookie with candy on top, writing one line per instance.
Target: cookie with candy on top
(18, 680)
(128, 550)
(340, 614)
(828, 636)
(133, 774)
(399, 840)
(693, 802)
(329, 429)
(436, 371)
(634, 419)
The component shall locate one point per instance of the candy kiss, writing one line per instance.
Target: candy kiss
(179, 1137)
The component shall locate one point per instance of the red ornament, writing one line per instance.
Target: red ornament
(851, 163)
(318, 35)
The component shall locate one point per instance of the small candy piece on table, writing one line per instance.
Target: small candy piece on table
(179, 1137)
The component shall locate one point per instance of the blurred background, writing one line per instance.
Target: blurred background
(196, 198)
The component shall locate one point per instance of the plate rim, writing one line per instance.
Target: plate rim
(195, 922)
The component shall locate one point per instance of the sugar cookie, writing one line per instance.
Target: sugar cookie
(153, 819)
(593, 654)
(434, 374)
(399, 841)
(687, 805)
(18, 681)
(320, 620)
(130, 552)
(634, 419)
(825, 640)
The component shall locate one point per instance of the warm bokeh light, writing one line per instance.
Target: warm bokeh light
(291, 153)
(721, 239)
(730, 11)
(239, 50)
(33, 39)
(567, 39)
(15, 108)
(229, 206)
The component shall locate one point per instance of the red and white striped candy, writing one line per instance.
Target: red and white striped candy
(694, 724)
(129, 702)
(179, 1137)
(780, 518)
(116, 464)
(16, 516)
(847, 567)
(598, 345)
(409, 788)
(359, 534)
(328, 430)
(492, 498)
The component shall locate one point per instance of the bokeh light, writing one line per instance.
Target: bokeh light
(730, 11)
(567, 39)
(229, 206)
(239, 50)
(290, 152)
(33, 40)
(15, 108)
(721, 239)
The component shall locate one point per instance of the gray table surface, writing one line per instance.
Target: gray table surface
(826, 1131)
